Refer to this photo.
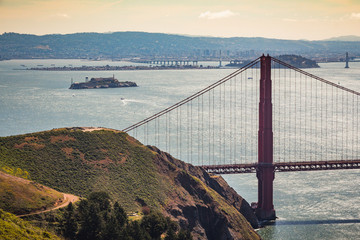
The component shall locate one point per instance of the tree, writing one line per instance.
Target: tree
(134, 231)
(112, 230)
(155, 224)
(91, 224)
(115, 222)
(70, 224)
(102, 199)
(170, 234)
(184, 235)
(97, 219)
(120, 215)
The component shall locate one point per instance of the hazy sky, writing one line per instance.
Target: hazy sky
(286, 19)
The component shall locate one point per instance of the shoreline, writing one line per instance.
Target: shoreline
(122, 68)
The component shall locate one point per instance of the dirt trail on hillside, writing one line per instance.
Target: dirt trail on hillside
(68, 198)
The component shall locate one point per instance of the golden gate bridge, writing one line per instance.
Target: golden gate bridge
(265, 117)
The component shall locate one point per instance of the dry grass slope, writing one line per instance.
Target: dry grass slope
(21, 196)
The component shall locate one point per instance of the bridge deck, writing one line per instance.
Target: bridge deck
(285, 166)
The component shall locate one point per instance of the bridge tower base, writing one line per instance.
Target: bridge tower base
(265, 170)
(265, 208)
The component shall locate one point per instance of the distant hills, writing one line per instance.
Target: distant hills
(350, 38)
(120, 45)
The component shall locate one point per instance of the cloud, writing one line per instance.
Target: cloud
(355, 16)
(217, 15)
(63, 15)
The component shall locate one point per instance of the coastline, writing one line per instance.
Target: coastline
(119, 68)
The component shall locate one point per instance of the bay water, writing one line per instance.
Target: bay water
(309, 205)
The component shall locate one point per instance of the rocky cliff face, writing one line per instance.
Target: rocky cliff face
(205, 203)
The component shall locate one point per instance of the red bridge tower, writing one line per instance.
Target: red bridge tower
(265, 170)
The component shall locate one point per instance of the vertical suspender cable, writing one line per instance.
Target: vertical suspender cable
(188, 131)
(290, 125)
(191, 133)
(230, 124)
(342, 125)
(333, 141)
(300, 117)
(180, 128)
(295, 117)
(235, 121)
(322, 121)
(209, 129)
(280, 116)
(177, 132)
(202, 129)
(144, 134)
(220, 125)
(353, 127)
(198, 130)
(223, 125)
(169, 131)
(245, 140)
(213, 121)
(305, 116)
(285, 116)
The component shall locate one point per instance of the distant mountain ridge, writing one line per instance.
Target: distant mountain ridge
(119, 45)
(349, 38)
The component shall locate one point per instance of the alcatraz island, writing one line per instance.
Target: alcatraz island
(109, 82)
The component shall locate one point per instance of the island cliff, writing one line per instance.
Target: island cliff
(102, 83)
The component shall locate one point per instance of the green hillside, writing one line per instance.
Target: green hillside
(79, 161)
(12, 227)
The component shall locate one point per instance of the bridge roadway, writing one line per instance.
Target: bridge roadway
(285, 166)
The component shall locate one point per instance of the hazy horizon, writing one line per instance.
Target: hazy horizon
(279, 19)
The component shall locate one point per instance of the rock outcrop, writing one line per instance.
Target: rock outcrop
(205, 203)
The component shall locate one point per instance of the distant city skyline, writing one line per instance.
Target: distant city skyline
(281, 19)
